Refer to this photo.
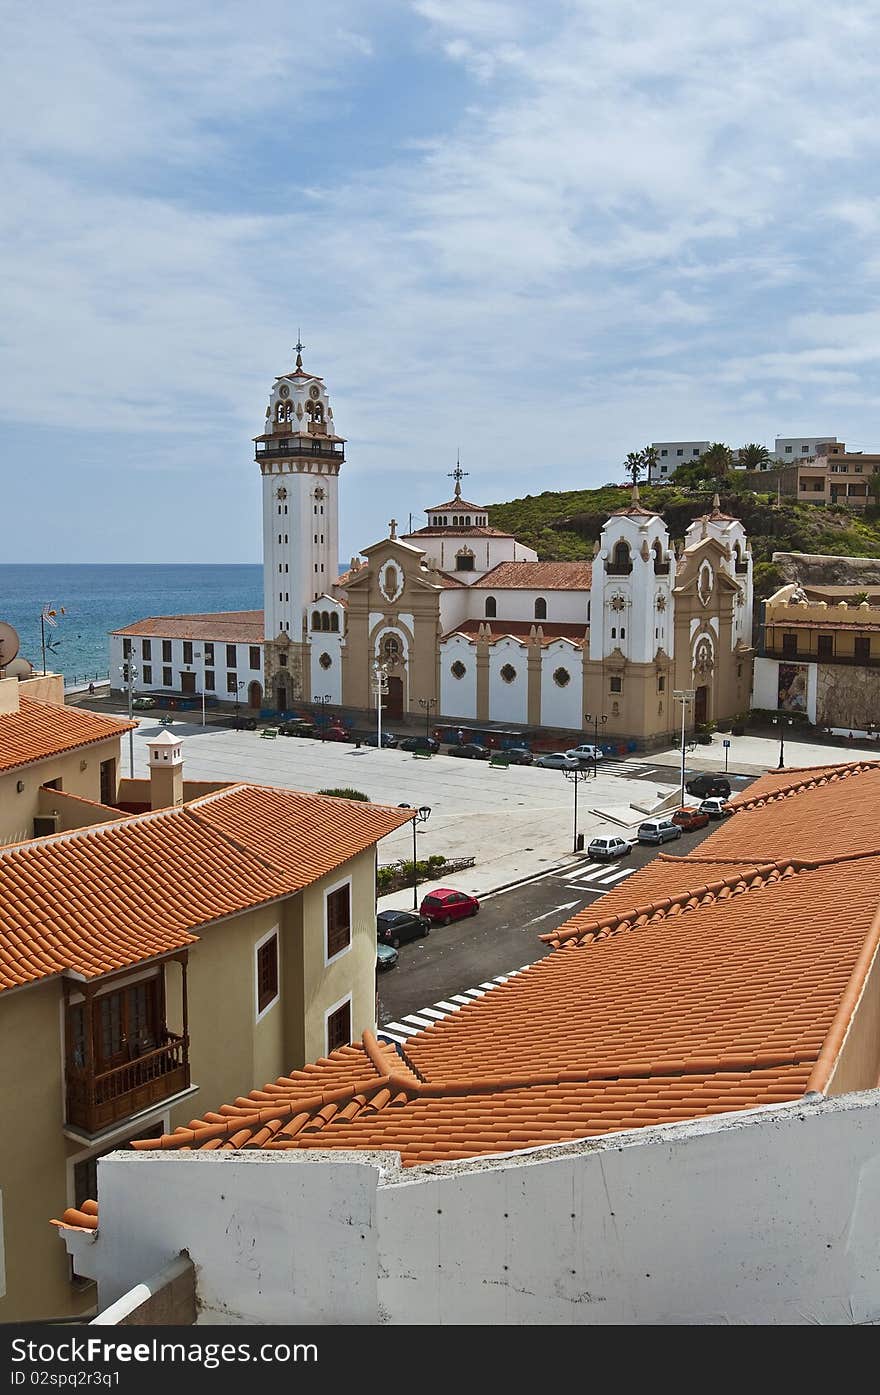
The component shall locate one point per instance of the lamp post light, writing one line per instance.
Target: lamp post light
(321, 701)
(380, 686)
(595, 718)
(575, 776)
(129, 674)
(427, 703)
(684, 696)
(239, 689)
(422, 814)
(782, 723)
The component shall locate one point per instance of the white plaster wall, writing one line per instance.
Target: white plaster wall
(569, 607)
(765, 1217)
(765, 685)
(327, 681)
(455, 605)
(488, 552)
(561, 707)
(458, 696)
(639, 588)
(242, 670)
(508, 702)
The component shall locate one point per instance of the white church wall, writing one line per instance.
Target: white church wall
(508, 701)
(456, 605)
(458, 696)
(564, 607)
(679, 1224)
(155, 665)
(561, 702)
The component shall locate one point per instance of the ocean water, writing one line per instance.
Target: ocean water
(98, 599)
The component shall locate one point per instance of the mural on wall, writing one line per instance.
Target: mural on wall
(792, 690)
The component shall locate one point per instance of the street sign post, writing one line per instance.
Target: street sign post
(726, 745)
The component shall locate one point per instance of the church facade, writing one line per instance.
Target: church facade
(460, 620)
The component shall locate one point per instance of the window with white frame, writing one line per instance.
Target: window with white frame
(337, 916)
(266, 972)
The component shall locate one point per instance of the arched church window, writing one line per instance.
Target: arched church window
(540, 609)
(316, 620)
(491, 608)
(325, 621)
(334, 622)
(467, 520)
(621, 559)
(391, 649)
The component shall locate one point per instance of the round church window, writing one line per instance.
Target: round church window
(508, 673)
(325, 661)
(458, 669)
(561, 677)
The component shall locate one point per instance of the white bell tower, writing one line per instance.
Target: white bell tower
(299, 458)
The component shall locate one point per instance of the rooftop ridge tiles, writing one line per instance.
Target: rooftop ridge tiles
(815, 777)
(749, 877)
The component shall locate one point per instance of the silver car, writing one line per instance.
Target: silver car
(558, 760)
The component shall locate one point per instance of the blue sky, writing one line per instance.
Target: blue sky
(544, 235)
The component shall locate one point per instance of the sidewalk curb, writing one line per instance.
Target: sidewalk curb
(569, 861)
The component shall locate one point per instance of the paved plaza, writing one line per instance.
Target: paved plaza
(515, 822)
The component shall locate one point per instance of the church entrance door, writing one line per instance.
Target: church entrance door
(281, 697)
(187, 682)
(394, 700)
(701, 706)
(255, 695)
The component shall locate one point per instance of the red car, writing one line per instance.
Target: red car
(444, 905)
(689, 817)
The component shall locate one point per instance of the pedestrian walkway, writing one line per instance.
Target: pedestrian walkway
(414, 1022)
(597, 874)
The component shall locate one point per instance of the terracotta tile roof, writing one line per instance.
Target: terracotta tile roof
(226, 627)
(457, 505)
(100, 898)
(723, 1002)
(817, 813)
(39, 730)
(537, 576)
(471, 531)
(521, 629)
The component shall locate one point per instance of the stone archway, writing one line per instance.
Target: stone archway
(255, 696)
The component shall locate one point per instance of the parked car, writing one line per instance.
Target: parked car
(419, 743)
(297, 727)
(395, 927)
(558, 760)
(658, 831)
(519, 755)
(609, 847)
(445, 905)
(689, 818)
(389, 739)
(334, 732)
(386, 957)
(470, 750)
(585, 753)
(706, 785)
(143, 704)
(715, 808)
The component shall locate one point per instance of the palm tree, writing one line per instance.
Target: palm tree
(649, 456)
(754, 457)
(717, 460)
(634, 465)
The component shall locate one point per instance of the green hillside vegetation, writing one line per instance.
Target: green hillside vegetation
(562, 527)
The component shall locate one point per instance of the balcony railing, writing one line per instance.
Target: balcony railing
(305, 445)
(618, 568)
(661, 568)
(802, 656)
(95, 1102)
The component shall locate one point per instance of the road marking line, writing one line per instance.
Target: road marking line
(450, 1007)
(460, 998)
(400, 1027)
(566, 906)
(432, 1012)
(475, 993)
(419, 1021)
(382, 1034)
(618, 876)
(488, 985)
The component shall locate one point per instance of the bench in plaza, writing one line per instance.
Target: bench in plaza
(269, 732)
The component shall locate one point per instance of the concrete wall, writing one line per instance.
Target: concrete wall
(458, 696)
(765, 687)
(768, 1217)
(561, 703)
(17, 809)
(508, 702)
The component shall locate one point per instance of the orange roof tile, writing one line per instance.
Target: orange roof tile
(720, 1002)
(826, 812)
(97, 899)
(537, 576)
(226, 627)
(39, 730)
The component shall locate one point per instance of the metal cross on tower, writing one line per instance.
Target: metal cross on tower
(458, 475)
(299, 349)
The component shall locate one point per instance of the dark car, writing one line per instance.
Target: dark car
(419, 743)
(445, 905)
(297, 727)
(519, 755)
(707, 786)
(395, 927)
(470, 750)
(389, 739)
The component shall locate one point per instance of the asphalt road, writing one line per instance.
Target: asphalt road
(504, 936)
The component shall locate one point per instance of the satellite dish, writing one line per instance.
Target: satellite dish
(9, 643)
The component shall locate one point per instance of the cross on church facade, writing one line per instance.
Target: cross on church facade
(393, 528)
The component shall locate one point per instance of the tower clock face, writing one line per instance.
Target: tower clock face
(314, 391)
(284, 390)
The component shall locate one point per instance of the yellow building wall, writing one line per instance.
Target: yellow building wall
(17, 809)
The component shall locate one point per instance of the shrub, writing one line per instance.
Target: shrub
(385, 877)
(347, 794)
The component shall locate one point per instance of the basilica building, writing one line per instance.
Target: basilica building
(458, 619)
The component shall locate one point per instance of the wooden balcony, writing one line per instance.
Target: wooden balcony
(97, 1101)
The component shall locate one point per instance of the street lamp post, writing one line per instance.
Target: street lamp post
(427, 703)
(238, 692)
(575, 776)
(422, 814)
(380, 686)
(782, 723)
(129, 674)
(198, 655)
(321, 701)
(595, 718)
(684, 696)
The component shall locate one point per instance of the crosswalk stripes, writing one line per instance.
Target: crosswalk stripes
(597, 874)
(414, 1022)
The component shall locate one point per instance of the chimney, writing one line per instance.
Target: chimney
(166, 771)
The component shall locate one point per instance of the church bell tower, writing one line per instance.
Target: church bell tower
(299, 458)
